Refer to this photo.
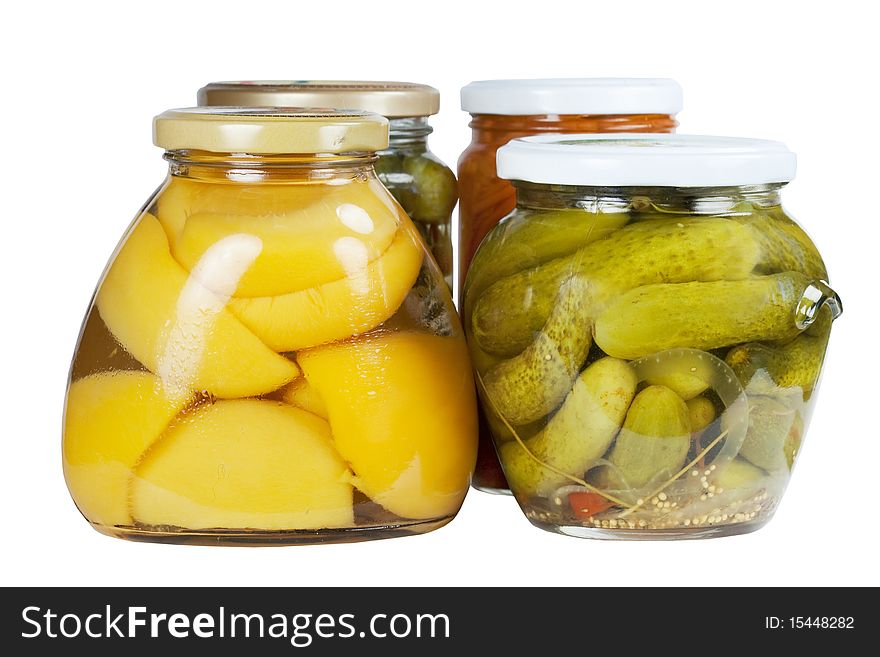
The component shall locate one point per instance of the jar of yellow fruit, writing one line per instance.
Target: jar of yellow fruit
(271, 355)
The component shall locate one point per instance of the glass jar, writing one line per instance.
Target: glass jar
(502, 110)
(420, 182)
(648, 327)
(270, 356)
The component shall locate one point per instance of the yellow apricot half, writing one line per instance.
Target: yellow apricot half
(370, 294)
(244, 464)
(402, 411)
(178, 328)
(109, 420)
(300, 236)
(302, 394)
(182, 197)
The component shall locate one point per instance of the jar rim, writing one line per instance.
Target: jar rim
(270, 130)
(390, 99)
(645, 160)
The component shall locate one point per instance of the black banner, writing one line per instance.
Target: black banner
(515, 621)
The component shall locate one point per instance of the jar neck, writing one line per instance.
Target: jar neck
(498, 128)
(242, 167)
(409, 132)
(683, 200)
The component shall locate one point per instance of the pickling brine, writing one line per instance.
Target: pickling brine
(271, 356)
(648, 354)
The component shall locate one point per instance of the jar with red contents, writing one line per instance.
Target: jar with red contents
(502, 110)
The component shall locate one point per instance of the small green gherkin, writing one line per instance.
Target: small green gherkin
(701, 315)
(508, 314)
(685, 384)
(701, 412)
(529, 386)
(653, 442)
(784, 245)
(436, 190)
(793, 365)
(388, 163)
(389, 169)
(577, 435)
(535, 237)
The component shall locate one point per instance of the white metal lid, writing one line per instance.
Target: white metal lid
(572, 96)
(645, 160)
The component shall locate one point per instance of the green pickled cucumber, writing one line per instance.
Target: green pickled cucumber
(653, 442)
(389, 169)
(794, 365)
(388, 163)
(577, 435)
(507, 315)
(784, 245)
(737, 474)
(436, 191)
(774, 434)
(685, 385)
(701, 412)
(687, 372)
(529, 386)
(526, 241)
(701, 315)
(726, 392)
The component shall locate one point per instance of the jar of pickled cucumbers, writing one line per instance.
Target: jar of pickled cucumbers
(420, 182)
(502, 110)
(271, 356)
(648, 328)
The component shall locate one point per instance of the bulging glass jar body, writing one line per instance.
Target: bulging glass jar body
(270, 357)
(648, 358)
(485, 199)
(422, 184)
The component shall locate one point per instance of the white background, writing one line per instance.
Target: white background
(82, 82)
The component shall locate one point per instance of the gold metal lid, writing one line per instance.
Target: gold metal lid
(270, 130)
(391, 99)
